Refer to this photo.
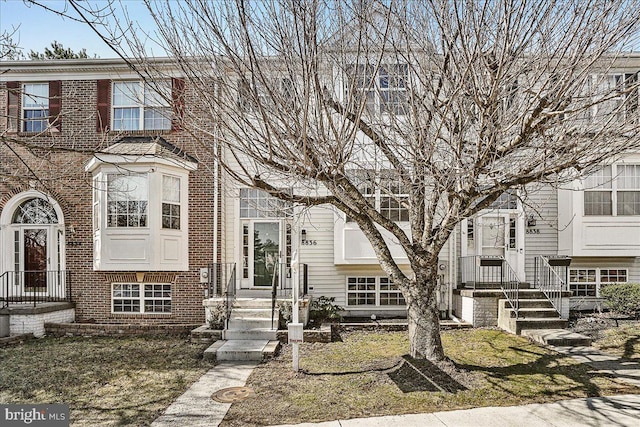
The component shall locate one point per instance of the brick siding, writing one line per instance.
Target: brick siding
(58, 172)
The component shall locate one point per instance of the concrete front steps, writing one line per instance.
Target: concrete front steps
(250, 334)
(538, 320)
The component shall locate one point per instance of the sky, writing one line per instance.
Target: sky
(37, 28)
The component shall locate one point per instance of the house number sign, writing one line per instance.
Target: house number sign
(533, 231)
(309, 242)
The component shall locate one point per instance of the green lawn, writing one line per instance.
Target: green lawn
(106, 381)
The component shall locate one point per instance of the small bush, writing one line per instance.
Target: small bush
(325, 309)
(286, 313)
(623, 298)
(218, 316)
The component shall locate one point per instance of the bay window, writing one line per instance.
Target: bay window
(127, 200)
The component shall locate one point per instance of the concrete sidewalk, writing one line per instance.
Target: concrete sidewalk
(619, 411)
(195, 408)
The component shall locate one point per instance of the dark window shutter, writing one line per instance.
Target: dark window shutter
(13, 106)
(55, 104)
(177, 96)
(104, 105)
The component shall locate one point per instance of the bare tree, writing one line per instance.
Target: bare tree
(447, 103)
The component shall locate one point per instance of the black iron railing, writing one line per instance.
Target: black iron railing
(282, 284)
(34, 286)
(491, 271)
(551, 277)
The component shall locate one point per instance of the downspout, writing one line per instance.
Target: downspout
(452, 268)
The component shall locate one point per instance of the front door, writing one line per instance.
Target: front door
(266, 252)
(496, 234)
(35, 259)
(262, 253)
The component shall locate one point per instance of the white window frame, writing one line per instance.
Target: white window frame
(609, 181)
(174, 206)
(365, 293)
(34, 101)
(144, 99)
(117, 200)
(385, 89)
(600, 273)
(143, 296)
(386, 195)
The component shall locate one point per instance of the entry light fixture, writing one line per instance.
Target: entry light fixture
(531, 220)
(303, 233)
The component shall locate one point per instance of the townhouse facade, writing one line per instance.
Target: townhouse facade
(107, 203)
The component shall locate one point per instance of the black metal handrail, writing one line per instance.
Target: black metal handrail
(510, 286)
(35, 286)
(230, 294)
(549, 281)
(491, 270)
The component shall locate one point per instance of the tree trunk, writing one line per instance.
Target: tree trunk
(424, 324)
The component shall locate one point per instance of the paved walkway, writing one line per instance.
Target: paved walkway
(196, 408)
(619, 411)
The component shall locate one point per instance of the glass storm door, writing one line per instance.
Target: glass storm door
(35, 259)
(266, 252)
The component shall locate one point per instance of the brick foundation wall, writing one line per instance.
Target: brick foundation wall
(110, 330)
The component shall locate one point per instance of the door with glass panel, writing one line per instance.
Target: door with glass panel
(262, 252)
(35, 259)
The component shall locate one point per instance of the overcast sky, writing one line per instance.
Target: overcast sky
(37, 28)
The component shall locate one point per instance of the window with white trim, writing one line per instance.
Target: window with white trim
(260, 204)
(613, 190)
(620, 96)
(587, 282)
(170, 202)
(373, 291)
(138, 106)
(253, 96)
(384, 191)
(382, 90)
(35, 107)
(141, 298)
(127, 200)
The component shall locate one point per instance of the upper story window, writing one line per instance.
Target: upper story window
(127, 200)
(621, 97)
(385, 192)
(35, 107)
(253, 96)
(613, 190)
(382, 90)
(170, 202)
(138, 106)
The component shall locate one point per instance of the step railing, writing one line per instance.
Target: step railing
(491, 270)
(34, 286)
(510, 286)
(282, 284)
(548, 278)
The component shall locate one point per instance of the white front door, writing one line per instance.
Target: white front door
(496, 234)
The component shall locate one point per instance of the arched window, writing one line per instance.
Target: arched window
(35, 211)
